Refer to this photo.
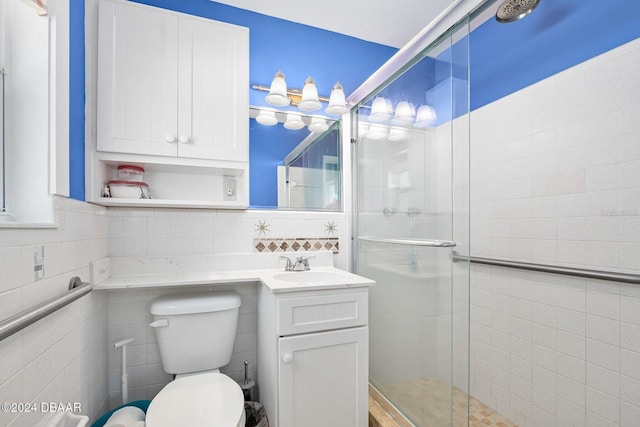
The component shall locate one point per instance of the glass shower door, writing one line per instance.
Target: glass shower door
(412, 187)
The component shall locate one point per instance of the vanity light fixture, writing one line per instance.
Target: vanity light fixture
(306, 99)
(309, 101)
(318, 124)
(425, 117)
(293, 122)
(405, 113)
(267, 118)
(381, 110)
(337, 103)
(278, 91)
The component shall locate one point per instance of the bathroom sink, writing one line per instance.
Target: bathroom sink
(310, 277)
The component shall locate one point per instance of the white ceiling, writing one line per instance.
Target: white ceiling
(385, 22)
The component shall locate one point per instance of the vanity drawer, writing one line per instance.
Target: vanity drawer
(300, 315)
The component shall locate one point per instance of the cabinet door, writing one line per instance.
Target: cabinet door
(137, 79)
(213, 90)
(323, 379)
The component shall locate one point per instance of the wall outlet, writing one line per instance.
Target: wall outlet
(38, 263)
(229, 187)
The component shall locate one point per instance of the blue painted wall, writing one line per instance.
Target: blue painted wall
(557, 35)
(503, 58)
(274, 143)
(76, 99)
(500, 59)
(298, 50)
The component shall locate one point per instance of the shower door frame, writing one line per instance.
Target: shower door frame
(458, 14)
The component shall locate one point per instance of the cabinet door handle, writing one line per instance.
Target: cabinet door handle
(170, 137)
(184, 139)
(287, 358)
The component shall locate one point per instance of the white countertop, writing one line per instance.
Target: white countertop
(277, 280)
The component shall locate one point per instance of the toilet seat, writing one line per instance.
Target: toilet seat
(203, 400)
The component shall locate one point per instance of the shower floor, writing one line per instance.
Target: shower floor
(427, 401)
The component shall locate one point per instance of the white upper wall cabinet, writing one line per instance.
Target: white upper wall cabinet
(172, 96)
(171, 85)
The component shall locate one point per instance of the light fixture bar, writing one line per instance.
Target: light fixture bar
(295, 95)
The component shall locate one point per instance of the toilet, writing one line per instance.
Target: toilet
(195, 335)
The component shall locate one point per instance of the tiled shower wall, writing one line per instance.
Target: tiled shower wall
(555, 179)
(182, 232)
(62, 358)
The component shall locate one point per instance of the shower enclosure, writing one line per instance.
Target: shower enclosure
(411, 183)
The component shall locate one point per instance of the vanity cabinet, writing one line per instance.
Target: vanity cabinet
(172, 97)
(313, 369)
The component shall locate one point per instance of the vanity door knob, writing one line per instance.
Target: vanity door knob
(287, 358)
(184, 139)
(170, 137)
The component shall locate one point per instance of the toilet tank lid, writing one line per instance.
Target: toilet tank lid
(203, 302)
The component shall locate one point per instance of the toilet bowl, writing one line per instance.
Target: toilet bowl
(201, 400)
(196, 333)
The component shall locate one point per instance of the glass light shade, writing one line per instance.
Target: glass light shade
(293, 122)
(405, 113)
(377, 132)
(318, 124)
(425, 117)
(337, 104)
(278, 91)
(381, 110)
(267, 118)
(398, 134)
(309, 101)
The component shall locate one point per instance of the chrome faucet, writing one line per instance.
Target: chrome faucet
(300, 264)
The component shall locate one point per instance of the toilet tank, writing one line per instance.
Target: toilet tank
(195, 331)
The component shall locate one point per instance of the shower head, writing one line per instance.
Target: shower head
(512, 10)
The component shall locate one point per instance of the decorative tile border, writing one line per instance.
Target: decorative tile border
(296, 244)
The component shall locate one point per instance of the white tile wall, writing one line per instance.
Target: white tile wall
(182, 232)
(129, 318)
(63, 357)
(176, 232)
(560, 185)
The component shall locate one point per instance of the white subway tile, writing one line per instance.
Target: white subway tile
(544, 400)
(630, 364)
(543, 314)
(630, 390)
(630, 337)
(571, 344)
(544, 378)
(541, 418)
(571, 413)
(544, 335)
(603, 304)
(630, 309)
(571, 321)
(595, 420)
(602, 354)
(603, 329)
(603, 379)
(571, 367)
(571, 252)
(572, 297)
(629, 414)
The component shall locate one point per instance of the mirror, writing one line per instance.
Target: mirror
(294, 169)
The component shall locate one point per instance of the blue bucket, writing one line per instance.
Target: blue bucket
(142, 404)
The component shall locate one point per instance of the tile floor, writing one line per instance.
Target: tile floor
(427, 403)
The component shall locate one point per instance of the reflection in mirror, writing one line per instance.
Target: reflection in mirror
(293, 168)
